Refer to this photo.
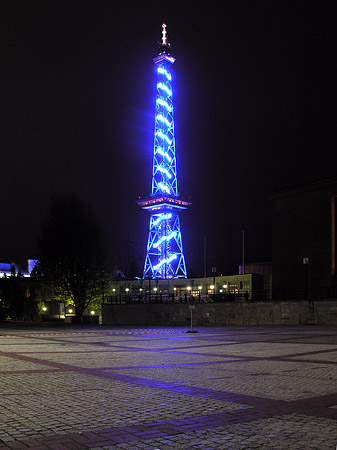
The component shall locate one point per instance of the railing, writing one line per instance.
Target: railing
(286, 294)
(170, 298)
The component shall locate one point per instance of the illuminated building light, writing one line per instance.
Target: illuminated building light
(164, 120)
(164, 88)
(161, 152)
(162, 217)
(165, 261)
(165, 171)
(164, 72)
(165, 238)
(164, 35)
(164, 188)
(162, 102)
(163, 136)
(163, 57)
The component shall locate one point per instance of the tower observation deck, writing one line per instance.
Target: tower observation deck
(164, 253)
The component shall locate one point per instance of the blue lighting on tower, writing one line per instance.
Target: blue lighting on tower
(164, 252)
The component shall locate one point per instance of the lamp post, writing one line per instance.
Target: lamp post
(212, 287)
(305, 263)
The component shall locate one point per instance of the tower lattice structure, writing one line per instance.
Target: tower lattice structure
(164, 253)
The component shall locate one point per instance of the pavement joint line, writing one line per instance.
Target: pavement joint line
(178, 350)
(236, 358)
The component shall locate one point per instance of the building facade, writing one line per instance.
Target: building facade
(304, 241)
(208, 289)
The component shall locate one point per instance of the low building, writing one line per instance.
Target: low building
(14, 269)
(231, 287)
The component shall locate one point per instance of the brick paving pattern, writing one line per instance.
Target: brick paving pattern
(160, 388)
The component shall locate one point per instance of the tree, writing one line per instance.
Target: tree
(72, 256)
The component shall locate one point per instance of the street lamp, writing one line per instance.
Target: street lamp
(213, 289)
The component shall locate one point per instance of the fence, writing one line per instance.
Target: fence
(293, 294)
(172, 298)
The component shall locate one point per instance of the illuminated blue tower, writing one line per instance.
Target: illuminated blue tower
(164, 253)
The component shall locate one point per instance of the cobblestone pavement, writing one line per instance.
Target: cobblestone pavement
(102, 387)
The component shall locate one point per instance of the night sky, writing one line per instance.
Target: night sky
(255, 110)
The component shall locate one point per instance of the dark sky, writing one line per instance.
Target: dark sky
(255, 110)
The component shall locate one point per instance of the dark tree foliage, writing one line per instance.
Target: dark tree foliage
(72, 255)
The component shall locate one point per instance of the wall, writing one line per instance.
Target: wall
(235, 313)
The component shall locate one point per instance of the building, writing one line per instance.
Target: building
(264, 269)
(12, 268)
(207, 289)
(304, 241)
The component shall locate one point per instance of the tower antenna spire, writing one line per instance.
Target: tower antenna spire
(164, 33)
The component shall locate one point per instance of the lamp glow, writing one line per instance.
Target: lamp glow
(164, 188)
(165, 238)
(162, 217)
(164, 88)
(164, 120)
(165, 171)
(161, 152)
(164, 72)
(165, 261)
(162, 102)
(163, 136)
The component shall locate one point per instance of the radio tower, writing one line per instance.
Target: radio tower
(164, 253)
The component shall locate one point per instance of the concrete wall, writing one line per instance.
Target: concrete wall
(236, 313)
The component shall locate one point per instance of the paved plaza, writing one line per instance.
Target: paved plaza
(102, 387)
